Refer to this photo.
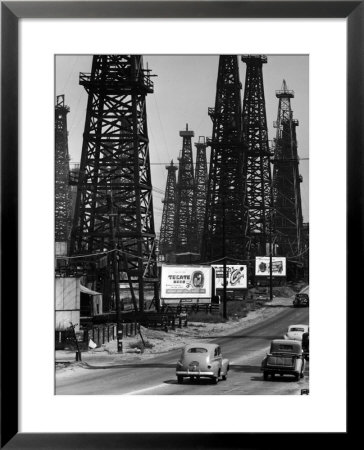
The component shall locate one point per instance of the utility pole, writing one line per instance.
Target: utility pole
(119, 330)
(224, 256)
(270, 264)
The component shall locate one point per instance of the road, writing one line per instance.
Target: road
(156, 376)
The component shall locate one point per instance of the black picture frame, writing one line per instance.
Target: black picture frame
(11, 12)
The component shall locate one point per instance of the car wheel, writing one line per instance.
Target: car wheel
(302, 375)
(265, 376)
(179, 379)
(296, 376)
(224, 377)
(215, 379)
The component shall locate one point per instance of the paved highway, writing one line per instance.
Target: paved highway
(156, 376)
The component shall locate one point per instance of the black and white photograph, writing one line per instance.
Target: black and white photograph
(181, 224)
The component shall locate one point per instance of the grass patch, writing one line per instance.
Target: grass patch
(236, 308)
(205, 317)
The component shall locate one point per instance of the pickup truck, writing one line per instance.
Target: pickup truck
(284, 358)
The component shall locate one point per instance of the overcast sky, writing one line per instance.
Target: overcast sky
(185, 86)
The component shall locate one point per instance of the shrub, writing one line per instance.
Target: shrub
(236, 308)
(140, 345)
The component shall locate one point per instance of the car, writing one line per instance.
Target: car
(295, 332)
(284, 358)
(301, 300)
(202, 360)
(306, 345)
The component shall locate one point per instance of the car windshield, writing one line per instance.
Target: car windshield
(296, 329)
(197, 350)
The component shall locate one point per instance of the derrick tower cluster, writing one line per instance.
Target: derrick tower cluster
(184, 203)
(228, 206)
(200, 194)
(226, 214)
(113, 224)
(185, 193)
(288, 221)
(255, 137)
(166, 239)
(248, 202)
(63, 201)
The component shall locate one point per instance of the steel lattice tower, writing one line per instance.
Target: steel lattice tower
(63, 201)
(226, 213)
(185, 191)
(200, 194)
(286, 179)
(114, 206)
(255, 135)
(167, 241)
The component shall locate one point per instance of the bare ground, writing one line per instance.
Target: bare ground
(161, 341)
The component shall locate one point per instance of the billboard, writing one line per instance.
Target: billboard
(262, 266)
(237, 276)
(186, 282)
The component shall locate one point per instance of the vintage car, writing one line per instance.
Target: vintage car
(306, 345)
(301, 300)
(295, 332)
(202, 360)
(285, 358)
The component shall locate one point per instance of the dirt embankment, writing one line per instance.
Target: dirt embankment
(157, 341)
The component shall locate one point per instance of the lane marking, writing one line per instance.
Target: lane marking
(145, 389)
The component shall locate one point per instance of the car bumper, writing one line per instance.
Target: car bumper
(279, 370)
(190, 373)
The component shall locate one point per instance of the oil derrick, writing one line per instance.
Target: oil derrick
(200, 194)
(63, 202)
(114, 207)
(255, 135)
(286, 184)
(185, 190)
(166, 242)
(226, 214)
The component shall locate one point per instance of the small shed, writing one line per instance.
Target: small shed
(67, 307)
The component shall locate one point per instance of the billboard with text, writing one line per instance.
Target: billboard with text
(262, 266)
(186, 282)
(236, 276)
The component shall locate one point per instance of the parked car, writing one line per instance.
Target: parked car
(284, 358)
(295, 332)
(202, 360)
(306, 345)
(301, 300)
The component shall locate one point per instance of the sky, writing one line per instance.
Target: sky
(184, 88)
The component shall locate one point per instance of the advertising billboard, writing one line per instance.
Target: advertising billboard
(186, 282)
(262, 266)
(236, 276)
